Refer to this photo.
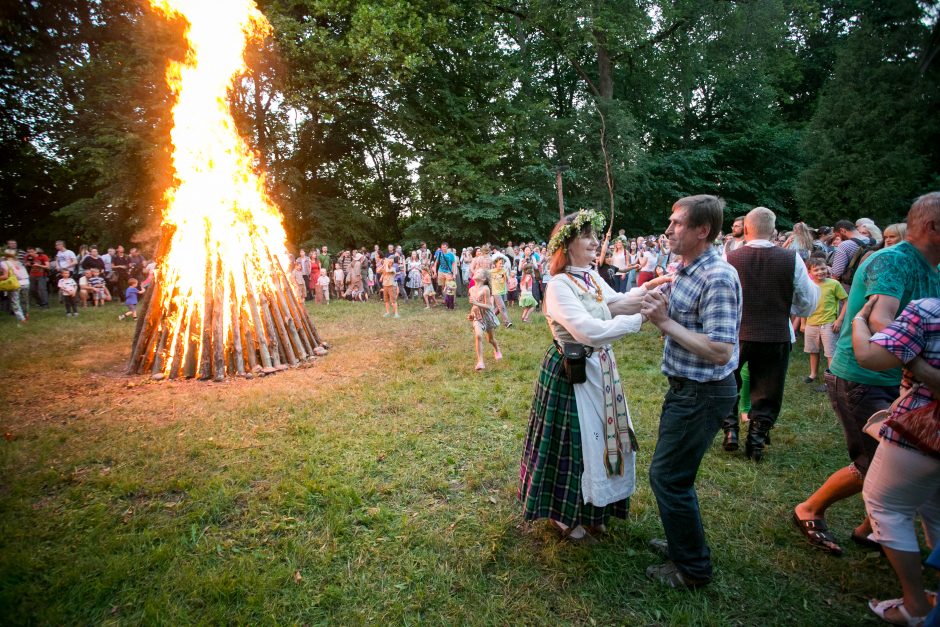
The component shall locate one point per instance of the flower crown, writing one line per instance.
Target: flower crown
(572, 229)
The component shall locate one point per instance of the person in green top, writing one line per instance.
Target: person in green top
(324, 259)
(823, 325)
(897, 275)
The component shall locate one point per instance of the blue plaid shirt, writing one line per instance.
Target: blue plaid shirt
(705, 297)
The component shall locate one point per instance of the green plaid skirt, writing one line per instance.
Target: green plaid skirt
(552, 464)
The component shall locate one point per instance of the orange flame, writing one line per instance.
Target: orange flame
(228, 239)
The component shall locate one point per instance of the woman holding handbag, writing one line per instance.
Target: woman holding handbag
(904, 477)
(578, 462)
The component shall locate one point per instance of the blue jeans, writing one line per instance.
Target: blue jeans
(691, 416)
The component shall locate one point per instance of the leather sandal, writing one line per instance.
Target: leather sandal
(818, 534)
(585, 540)
(881, 608)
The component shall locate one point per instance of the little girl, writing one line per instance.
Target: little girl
(339, 280)
(482, 316)
(429, 295)
(526, 300)
(498, 278)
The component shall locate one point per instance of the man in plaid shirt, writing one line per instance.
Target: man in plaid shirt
(700, 319)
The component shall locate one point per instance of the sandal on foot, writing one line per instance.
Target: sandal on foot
(586, 539)
(882, 608)
(818, 534)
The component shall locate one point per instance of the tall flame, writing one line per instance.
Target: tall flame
(226, 253)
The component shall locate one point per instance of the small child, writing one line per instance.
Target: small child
(297, 274)
(323, 284)
(450, 292)
(429, 294)
(339, 280)
(498, 279)
(130, 299)
(68, 288)
(824, 324)
(526, 300)
(389, 287)
(98, 288)
(482, 316)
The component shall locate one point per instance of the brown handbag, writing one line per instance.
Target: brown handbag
(921, 427)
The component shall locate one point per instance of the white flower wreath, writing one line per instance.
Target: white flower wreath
(571, 230)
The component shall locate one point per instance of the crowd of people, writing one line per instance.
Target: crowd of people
(730, 309)
(29, 277)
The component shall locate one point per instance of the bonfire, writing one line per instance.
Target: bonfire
(222, 303)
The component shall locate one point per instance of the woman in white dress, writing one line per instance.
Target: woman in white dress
(578, 463)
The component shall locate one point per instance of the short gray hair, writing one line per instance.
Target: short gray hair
(926, 207)
(762, 221)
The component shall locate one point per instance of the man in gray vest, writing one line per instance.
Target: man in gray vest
(775, 284)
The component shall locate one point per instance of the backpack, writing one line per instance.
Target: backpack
(863, 248)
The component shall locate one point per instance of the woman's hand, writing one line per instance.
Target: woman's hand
(865, 311)
(660, 280)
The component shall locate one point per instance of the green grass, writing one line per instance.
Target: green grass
(377, 486)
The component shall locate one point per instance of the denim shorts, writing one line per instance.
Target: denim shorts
(854, 403)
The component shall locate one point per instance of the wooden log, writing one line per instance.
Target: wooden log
(205, 345)
(236, 332)
(218, 324)
(301, 313)
(270, 310)
(287, 319)
(192, 347)
(179, 345)
(158, 354)
(288, 304)
(249, 342)
(264, 346)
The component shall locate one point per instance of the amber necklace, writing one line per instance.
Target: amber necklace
(597, 296)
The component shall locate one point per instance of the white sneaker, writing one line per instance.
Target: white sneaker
(396, 316)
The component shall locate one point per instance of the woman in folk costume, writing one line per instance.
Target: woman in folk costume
(578, 465)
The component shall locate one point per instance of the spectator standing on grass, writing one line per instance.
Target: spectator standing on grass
(324, 259)
(823, 325)
(38, 265)
(648, 260)
(68, 288)
(897, 275)
(867, 228)
(65, 259)
(446, 264)
(904, 477)
(850, 245)
(22, 277)
(11, 282)
(389, 287)
(450, 293)
(774, 284)
(120, 264)
(735, 239)
(498, 289)
(304, 261)
(323, 287)
(701, 322)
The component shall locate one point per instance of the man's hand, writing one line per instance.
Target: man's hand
(655, 307)
(837, 326)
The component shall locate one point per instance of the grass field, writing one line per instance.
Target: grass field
(377, 486)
